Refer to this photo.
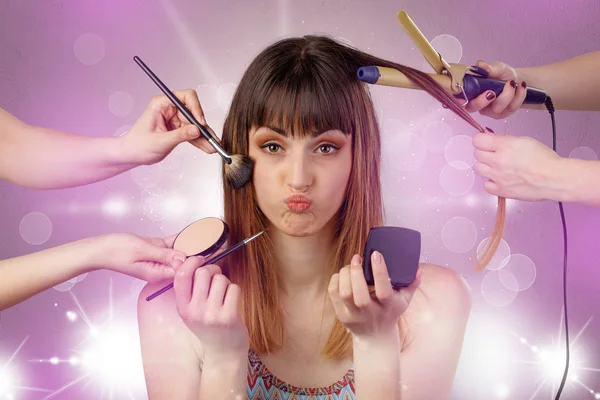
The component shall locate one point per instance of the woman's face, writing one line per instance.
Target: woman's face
(300, 183)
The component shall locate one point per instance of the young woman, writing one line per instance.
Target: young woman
(295, 319)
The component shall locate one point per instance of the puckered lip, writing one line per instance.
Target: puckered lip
(298, 198)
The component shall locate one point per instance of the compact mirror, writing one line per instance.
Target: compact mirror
(202, 238)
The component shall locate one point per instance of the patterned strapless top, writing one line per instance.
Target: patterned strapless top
(263, 385)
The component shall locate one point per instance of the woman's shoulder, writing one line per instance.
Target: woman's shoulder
(441, 303)
(443, 279)
(165, 303)
(442, 291)
(159, 316)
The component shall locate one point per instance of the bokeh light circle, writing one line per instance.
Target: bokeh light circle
(459, 152)
(500, 257)
(78, 278)
(436, 135)
(208, 96)
(449, 47)
(65, 286)
(583, 153)
(459, 234)
(456, 182)
(35, 228)
(495, 292)
(225, 95)
(120, 103)
(89, 48)
(519, 273)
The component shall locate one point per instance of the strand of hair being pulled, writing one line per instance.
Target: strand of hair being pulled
(427, 83)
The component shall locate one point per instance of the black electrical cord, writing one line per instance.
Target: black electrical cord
(550, 108)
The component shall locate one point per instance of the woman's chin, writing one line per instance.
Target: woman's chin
(299, 224)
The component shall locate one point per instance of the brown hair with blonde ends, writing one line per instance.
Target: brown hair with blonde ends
(304, 85)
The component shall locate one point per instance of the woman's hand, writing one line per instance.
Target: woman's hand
(512, 96)
(361, 313)
(149, 259)
(208, 304)
(519, 167)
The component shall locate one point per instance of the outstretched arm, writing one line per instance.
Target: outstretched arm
(25, 276)
(43, 158)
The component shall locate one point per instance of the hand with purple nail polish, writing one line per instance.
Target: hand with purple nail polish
(508, 102)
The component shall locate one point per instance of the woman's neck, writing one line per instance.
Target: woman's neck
(303, 263)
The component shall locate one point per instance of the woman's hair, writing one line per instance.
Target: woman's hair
(305, 85)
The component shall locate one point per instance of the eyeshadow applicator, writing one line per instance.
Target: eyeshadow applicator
(203, 238)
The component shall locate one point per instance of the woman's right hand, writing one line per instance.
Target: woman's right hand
(512, 96)
(208, 303)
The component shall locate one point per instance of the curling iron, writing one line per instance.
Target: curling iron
(462, 81)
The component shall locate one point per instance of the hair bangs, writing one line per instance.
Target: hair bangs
(303, 101)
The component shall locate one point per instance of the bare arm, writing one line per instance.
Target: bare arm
(172, 356)
(573, 84)
(41, 158)
(522, 168)
(576, 181)
(436, 327)
(25, 276)
(171, 364)
(377, 367)
(420, 363)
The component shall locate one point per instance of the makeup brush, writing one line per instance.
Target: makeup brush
(238, 167)
(211, 261)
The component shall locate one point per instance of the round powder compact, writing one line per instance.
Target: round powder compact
(202, 238)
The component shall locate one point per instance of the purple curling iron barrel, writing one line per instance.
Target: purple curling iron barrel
(474, 83)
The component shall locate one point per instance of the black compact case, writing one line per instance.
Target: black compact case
(401, 249)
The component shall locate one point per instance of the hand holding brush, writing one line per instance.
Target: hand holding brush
(238, 167)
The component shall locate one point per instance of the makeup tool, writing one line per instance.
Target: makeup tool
(203, 238)
(462, 81)
(401, 250)
(238, 167)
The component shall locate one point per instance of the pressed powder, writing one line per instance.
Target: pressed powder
(202, 238)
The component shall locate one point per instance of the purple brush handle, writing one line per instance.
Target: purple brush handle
(476, 85)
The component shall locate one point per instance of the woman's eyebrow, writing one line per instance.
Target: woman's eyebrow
(286, 134)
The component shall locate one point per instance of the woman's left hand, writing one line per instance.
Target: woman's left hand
(362, 313)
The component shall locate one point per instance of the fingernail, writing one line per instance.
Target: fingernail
(524, 85)
(490, 96)
(513, 84)
(179, 257)
(355, 260)
(193, 132)
(376, 257)
(201, 259)
(489, 129)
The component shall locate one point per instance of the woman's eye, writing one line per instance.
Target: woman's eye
(271, 147)
(327, 148)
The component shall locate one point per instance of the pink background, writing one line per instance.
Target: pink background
(68, 65)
